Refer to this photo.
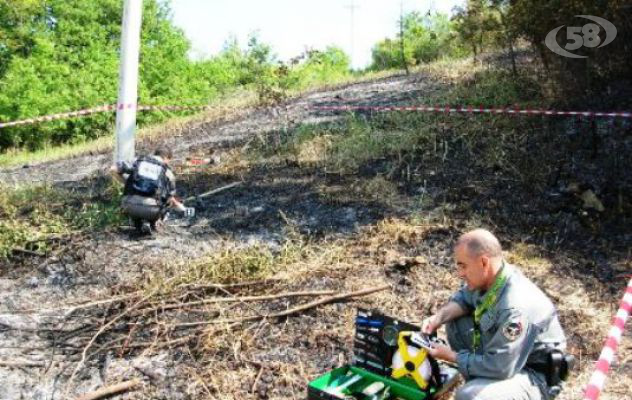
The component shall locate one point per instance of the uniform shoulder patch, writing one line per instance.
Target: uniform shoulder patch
(512, 330)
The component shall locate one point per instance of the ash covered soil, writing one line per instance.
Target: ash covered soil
(75, 320)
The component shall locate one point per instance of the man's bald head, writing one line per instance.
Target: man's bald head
(478, 257)
(480, 242)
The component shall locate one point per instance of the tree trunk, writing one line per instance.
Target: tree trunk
(513, 57)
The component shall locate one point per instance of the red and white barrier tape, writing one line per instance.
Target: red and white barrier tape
(441, 109)
(172, 108)
(475, 110)
(103, 108)
(598, 378)
(80, 113)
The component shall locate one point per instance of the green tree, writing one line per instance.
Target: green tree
(425, 37)
(71, 62)
(19, 19)
(477, 25)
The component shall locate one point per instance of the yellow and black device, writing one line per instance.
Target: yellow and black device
(411, 359)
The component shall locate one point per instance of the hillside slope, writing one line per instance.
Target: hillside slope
(183, 311)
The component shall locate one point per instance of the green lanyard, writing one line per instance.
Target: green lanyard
(488, 301)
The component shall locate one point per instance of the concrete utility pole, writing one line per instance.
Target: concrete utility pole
(352, 7)
(128, 81)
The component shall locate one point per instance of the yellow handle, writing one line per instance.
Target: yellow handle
(411, 364)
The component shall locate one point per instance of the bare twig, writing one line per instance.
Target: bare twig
(254, 385)
(240, 299)
(72, 308)
(212, 192)
(105, 327)
(38, 364)
(110, 390)
(295, 310)
(196, 286)
(28, 252)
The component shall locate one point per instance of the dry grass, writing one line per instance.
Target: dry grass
(452, 71)
(387, 253)
(182, 305)
(314, 150)
(376, 190)
(586, 308)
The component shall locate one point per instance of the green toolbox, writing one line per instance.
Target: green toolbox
(390, 362)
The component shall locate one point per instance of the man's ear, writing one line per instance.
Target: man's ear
(485, 261)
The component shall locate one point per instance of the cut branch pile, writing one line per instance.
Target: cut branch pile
(180, 315)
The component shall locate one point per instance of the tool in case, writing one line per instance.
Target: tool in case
(389, 362)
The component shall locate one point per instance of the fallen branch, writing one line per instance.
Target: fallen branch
(291, 311)
(212, 192)
(262, 282)
(27, 252)
(84, 354)
(238, 300)
(254, 385)
(38, 364)
(110, 390)
(70, 309)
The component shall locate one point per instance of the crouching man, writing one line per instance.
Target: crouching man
(150, 189)
(503, 331)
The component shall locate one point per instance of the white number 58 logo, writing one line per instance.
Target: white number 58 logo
(578, 36)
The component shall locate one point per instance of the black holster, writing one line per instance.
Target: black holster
(555, 369)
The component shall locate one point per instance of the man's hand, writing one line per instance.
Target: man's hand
(447, 313)
(430, 324)
(442, 352)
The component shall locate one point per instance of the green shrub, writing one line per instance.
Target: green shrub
(31, 214)
(64, 55)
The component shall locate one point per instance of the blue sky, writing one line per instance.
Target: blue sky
(292, 25)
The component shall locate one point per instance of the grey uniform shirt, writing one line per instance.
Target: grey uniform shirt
(514, 332)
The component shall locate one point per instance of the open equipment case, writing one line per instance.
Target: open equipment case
(389, 363)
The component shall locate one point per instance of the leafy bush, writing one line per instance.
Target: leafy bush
(31, 214)
(426, 38)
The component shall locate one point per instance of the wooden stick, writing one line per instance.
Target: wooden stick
(291, 311)
(212, 192)
(28, 252)
(197, 286)
(70, 309)
(254, 385)
(110, 390)
(40, 364)
(84, 354)
(238, 299)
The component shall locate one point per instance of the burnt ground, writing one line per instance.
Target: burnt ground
(352, 231)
